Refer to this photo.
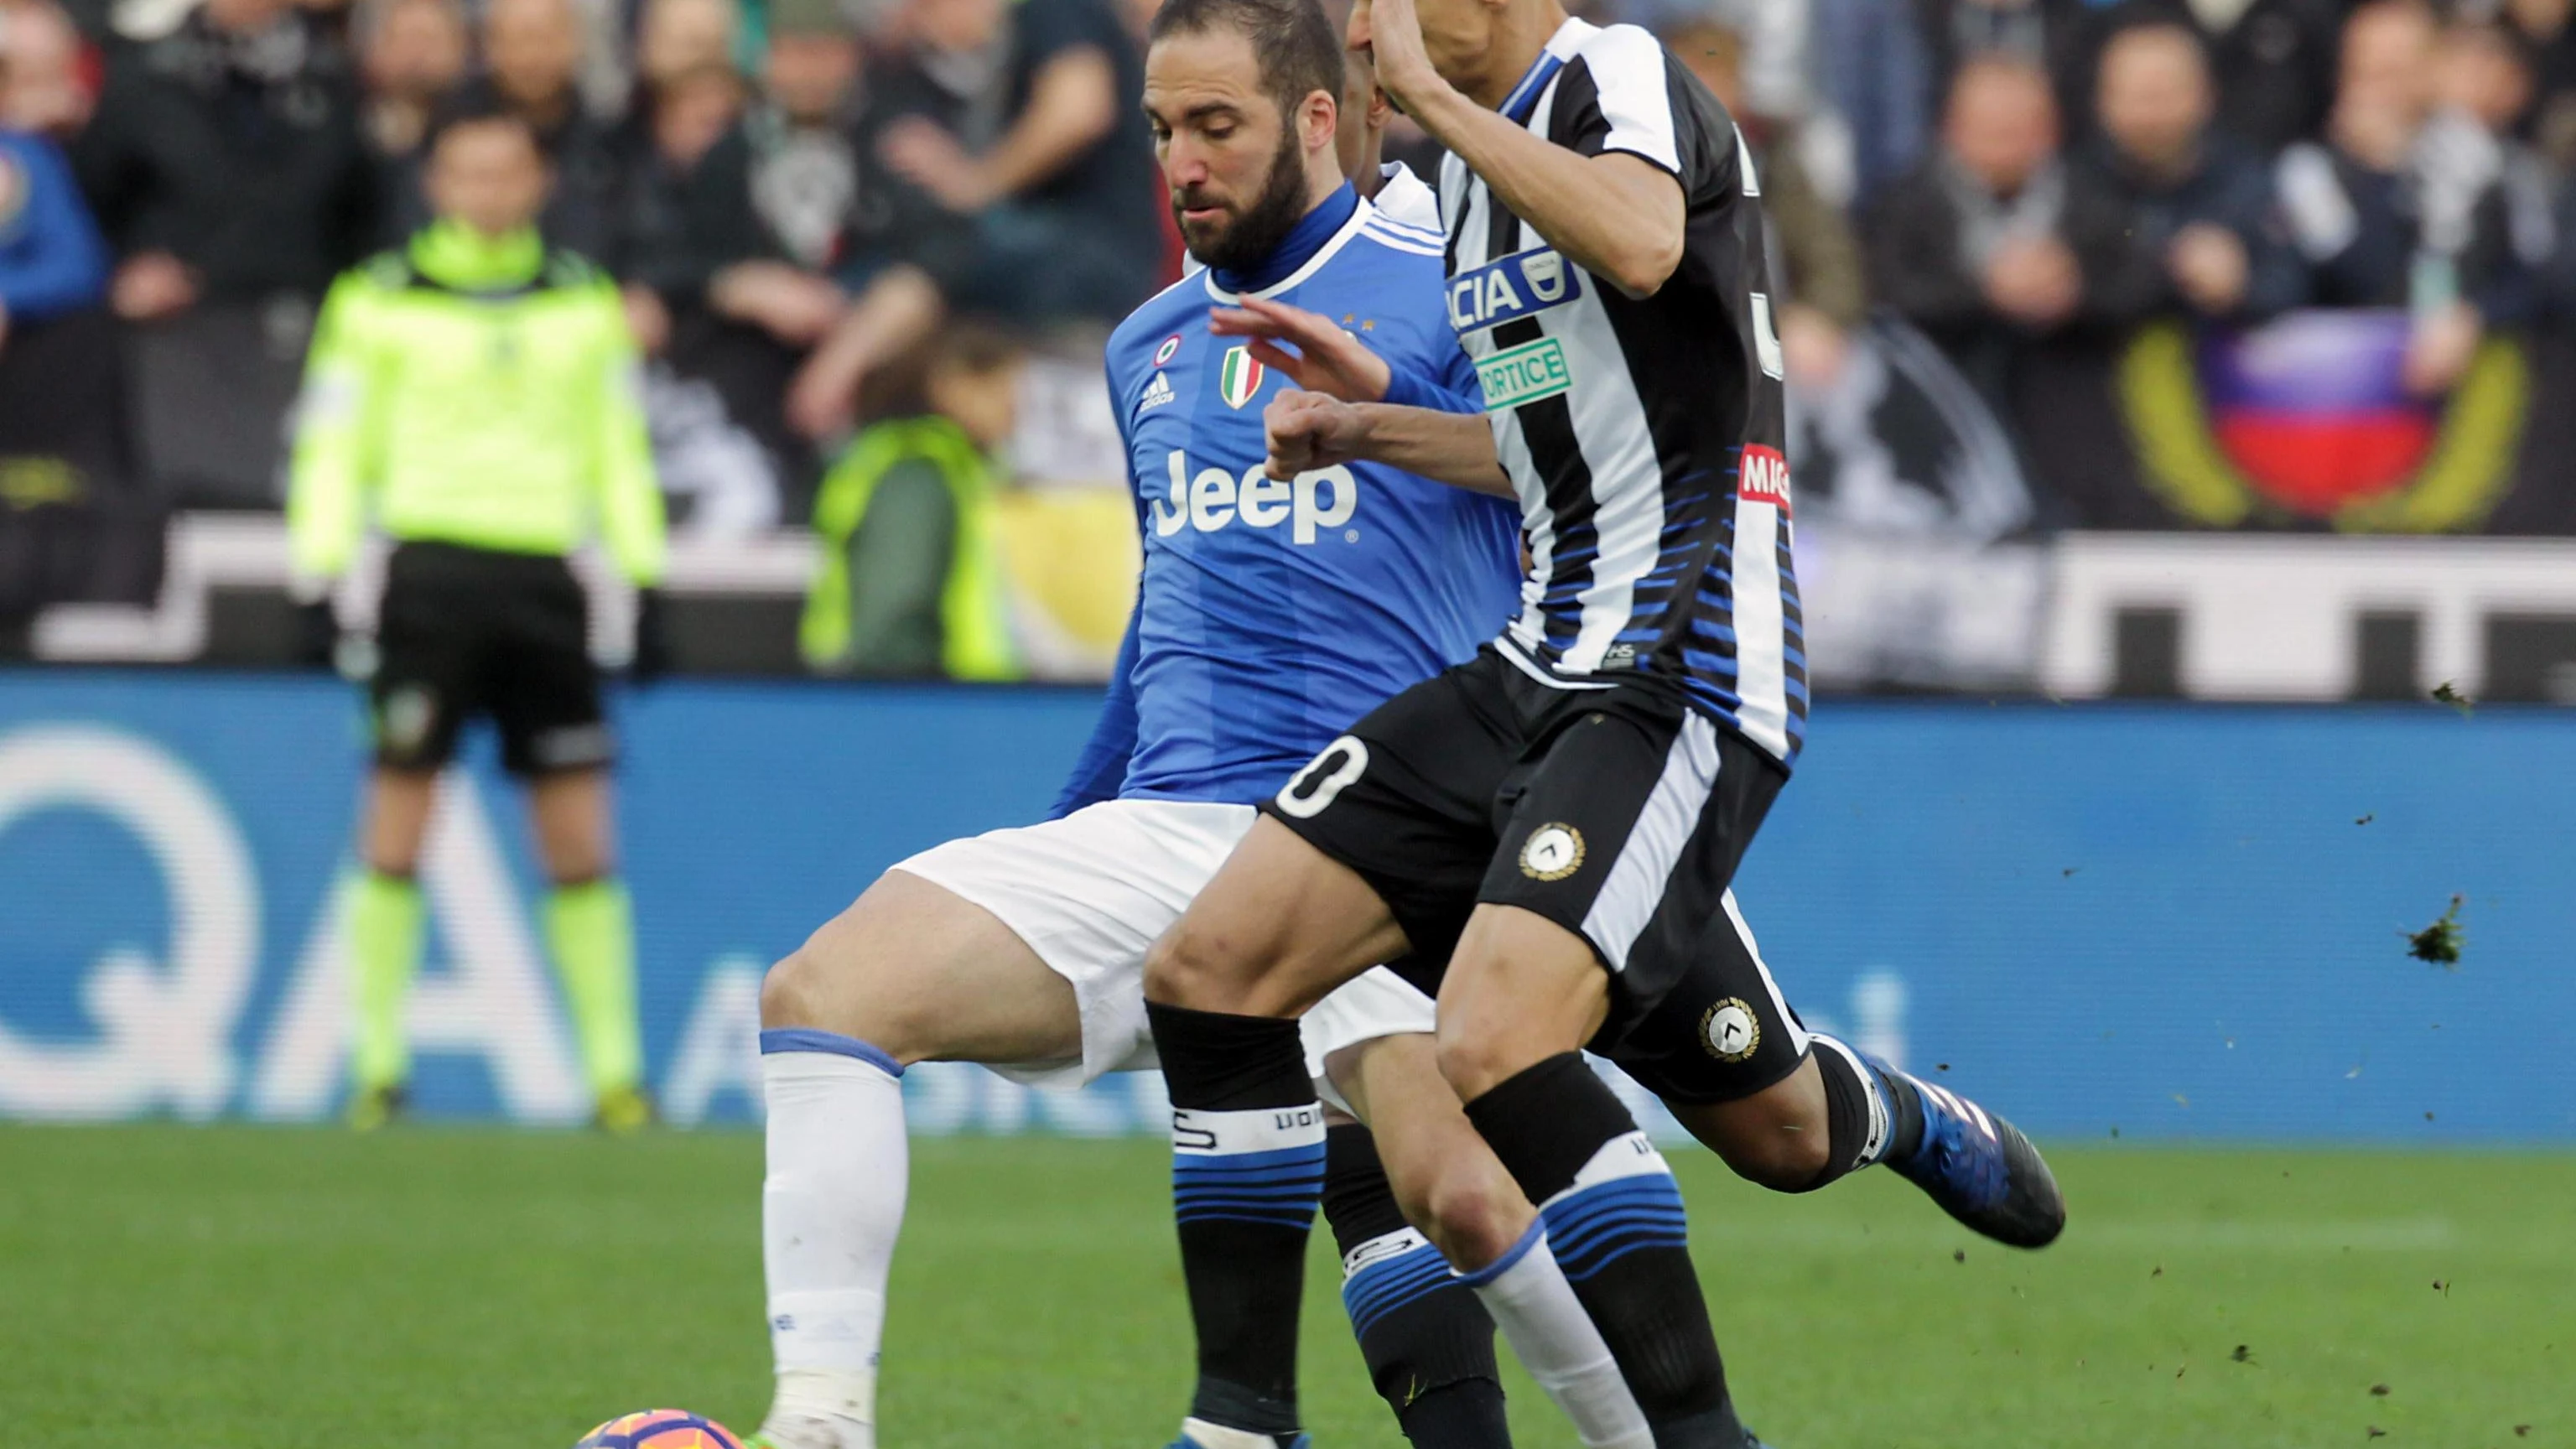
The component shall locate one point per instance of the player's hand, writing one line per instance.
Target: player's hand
(1310, 430)
(1394, 31)
(1327, 359)
(652, 658)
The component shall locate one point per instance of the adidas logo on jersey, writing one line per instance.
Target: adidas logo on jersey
(1213, 499)
(1157, 393)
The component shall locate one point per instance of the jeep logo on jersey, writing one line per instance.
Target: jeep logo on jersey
(1214, 499)
(1765, 478)
(1519, 285)
(1239, 378)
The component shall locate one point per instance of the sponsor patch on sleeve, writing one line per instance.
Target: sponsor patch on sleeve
(1765, 478)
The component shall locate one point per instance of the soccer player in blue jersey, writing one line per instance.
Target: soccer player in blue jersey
(1271, 612)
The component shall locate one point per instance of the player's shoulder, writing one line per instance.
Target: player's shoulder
(1632, 86)
(1133, 342)
(1620, 54)
(1407, 201)
(1403, 233)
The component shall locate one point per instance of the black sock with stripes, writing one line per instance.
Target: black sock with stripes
(1614, 1222)
(1428, 1342)
(1247, 1170)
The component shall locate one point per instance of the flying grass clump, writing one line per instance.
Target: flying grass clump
(2439, 943)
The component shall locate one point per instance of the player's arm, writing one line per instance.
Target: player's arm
(1619, 215)
(630, 493)
(1101, 769)
(1309, 430)
(330, 461)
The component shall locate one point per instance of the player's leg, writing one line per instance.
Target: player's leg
(1439, 1175)
(909, 973)
(590, 933)
(381, 923)
(1796, 1111)
(1521, 998)
(1280, 926)
(1620, 842)
(1428, 1344)
(1023, 948)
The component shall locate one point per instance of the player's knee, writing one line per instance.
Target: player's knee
(1782, 1157)
(1187, 967)
(791, 995)
(1475, 1062)
(824, 985)
(1472, 1216)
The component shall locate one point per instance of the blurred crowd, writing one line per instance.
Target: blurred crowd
(795, 194)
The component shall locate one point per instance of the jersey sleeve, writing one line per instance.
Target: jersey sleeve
(331, 463)
(1633, 106)
(1101, 769)
(630, 493)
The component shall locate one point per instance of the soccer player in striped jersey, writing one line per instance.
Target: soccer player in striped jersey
(1270, 612)
(1558, 819)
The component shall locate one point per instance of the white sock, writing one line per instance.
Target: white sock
(1217, 1436)
(1545, 1324)
(831, 1210)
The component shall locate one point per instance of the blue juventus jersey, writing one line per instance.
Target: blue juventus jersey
(1274, 614)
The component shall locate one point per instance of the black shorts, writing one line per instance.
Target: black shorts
(467, 631)
(1618, 813)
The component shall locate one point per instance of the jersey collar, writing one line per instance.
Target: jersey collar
(453, 254)
(1314, 240)
(1552, 57)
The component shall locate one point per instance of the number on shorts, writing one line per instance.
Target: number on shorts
(1324, 777)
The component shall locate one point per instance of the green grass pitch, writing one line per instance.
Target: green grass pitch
(486, 1290)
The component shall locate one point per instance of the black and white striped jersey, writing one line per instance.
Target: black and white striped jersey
(1644, 436)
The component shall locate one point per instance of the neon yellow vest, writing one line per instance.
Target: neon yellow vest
(974, 607)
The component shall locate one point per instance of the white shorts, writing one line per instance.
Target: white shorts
(1090, 894)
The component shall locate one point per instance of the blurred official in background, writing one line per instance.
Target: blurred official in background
(474, 394)
(910, 582)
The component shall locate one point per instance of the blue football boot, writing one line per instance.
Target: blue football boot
(1981, 1169)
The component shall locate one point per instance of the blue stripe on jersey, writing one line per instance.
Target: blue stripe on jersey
(1525, 95)
(1718, 664)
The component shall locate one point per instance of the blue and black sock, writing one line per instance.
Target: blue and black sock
(1615, 1223)
(1247, 1172)
(1428, 1342)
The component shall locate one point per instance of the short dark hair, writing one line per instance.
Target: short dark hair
(474, 106)
(1298, 50)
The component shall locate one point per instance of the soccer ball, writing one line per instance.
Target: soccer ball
(660, 1429)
